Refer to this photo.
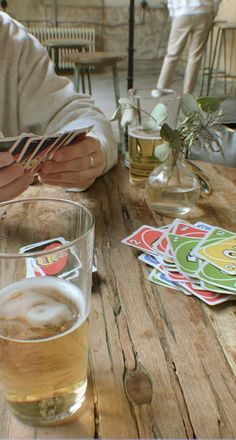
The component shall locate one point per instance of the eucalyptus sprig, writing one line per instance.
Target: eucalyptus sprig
(200, 126)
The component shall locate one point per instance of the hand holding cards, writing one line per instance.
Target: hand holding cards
(31, 150)
(197, 260)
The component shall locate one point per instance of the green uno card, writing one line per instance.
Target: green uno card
(221, 254)
(184, 258)
(213, 275)
(213, 236)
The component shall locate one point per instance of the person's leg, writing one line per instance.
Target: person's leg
(177, 40)
(201, 25)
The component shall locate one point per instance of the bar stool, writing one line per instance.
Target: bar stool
(219, 52)
(84, 62)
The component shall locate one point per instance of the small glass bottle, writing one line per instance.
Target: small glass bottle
(172, 189)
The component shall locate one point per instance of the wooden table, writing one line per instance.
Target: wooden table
(162, 364)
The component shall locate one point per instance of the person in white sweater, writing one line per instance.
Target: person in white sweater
(34, 99)
(194, 19)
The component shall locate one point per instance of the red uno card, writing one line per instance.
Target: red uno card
(144, 238)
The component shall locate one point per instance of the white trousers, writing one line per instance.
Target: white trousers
(197, 27)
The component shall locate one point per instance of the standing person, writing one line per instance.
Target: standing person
(34, 99)
(194, 19)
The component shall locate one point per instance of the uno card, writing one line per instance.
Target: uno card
(157, 277)
(74, 136)
(61, 141)
(178, 227)
(18, 146)
(162, 246)
(221, 254)
(203, 226)
(213, 275)
(28, 149)
(44, 149)
(213, 236)
(61, 263)
(144, 238)
(176, 277)
(210, 298)
(182, 247)
(39, 149)
(217, 289)
(149, 259)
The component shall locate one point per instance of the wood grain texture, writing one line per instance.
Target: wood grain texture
(162, 364)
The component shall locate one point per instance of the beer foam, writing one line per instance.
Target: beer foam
(38, 308)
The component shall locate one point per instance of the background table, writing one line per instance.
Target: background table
(55, 44)
(161, 364)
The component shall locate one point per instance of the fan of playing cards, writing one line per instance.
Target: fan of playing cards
(197, 260)
(31, 150)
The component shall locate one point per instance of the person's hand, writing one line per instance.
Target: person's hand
(13, 179)
(76, 165)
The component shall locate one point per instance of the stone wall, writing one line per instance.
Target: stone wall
(110, 19)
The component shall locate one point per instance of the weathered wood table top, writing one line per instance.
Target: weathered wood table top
(162, 364)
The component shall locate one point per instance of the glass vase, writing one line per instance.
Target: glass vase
(172, 189)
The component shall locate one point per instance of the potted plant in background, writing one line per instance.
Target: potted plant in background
(173, 187)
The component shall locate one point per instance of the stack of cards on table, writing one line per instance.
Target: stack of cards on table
(63, 263)
(197, 259)
(31, 150)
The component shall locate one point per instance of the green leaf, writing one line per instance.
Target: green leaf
(116, 115)
(189, 104)
(176, 143)
(209, 104)
(162, 151)
(167, 133)
(127, 117)
(157, 116)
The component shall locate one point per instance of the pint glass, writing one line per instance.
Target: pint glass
(143, 143)
(46, 253)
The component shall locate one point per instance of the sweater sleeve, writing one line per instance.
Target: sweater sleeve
(48, 102)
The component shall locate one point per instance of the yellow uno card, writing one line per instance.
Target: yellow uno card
(221, 255)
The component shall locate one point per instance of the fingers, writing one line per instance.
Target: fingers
(76, 165)
(80, 149)
(6, 159)
(76, 179)
(10, 173)
(15, 187)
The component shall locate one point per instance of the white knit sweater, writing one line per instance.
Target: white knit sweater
(192, 7)
(34, 99)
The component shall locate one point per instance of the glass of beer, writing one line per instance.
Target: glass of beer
(46, 254)
(143, 143)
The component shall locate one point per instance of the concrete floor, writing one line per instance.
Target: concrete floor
(103, 90)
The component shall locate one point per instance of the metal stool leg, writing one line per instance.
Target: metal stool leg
(116, 83)
(225, 67)
(123, 142)
(217, 70)
(89, 80)
(82, 79)
(77, 77)
(211, 68)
